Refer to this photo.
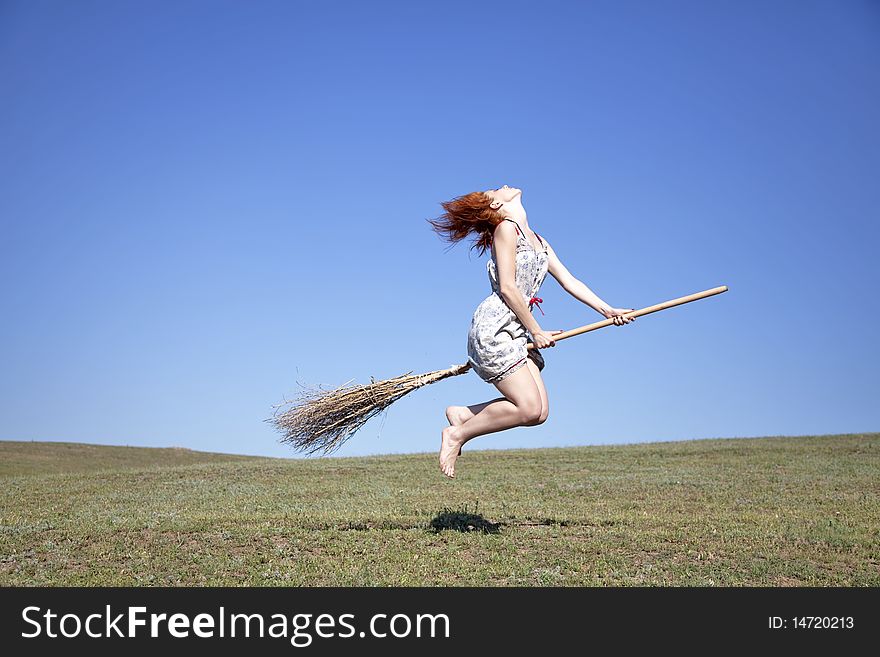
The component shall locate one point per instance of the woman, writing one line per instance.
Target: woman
(520, 259)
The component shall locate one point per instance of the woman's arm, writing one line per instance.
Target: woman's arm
(573, 286)
(504, 239)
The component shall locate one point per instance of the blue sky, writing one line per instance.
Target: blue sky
(207, 205)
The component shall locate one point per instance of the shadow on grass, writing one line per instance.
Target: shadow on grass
(463, 521)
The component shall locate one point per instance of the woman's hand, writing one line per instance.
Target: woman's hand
(544, 338)
(617, 314)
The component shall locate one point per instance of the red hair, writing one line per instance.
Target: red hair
(468, 214)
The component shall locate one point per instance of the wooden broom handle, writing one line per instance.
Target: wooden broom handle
(637, 313)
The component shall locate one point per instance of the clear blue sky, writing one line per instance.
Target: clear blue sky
(206, 204)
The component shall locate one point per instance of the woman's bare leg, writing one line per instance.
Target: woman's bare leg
(522, 405)
(460, 414)
(539, 381)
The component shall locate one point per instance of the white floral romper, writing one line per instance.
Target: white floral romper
(497, 338)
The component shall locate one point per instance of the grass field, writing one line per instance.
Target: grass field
(780, 511)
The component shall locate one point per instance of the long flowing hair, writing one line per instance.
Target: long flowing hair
(466, 215)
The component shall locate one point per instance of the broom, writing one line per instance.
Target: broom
(322, 420)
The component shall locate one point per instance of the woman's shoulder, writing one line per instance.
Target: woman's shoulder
(506, 234)
(507, 228)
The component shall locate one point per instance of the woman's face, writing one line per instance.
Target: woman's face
(502, 195)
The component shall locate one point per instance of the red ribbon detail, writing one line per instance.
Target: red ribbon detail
(537, 302)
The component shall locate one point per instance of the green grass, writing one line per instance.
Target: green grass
(20, 458)
(781, 511)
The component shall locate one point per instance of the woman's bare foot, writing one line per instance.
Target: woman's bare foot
(458, 415)
(450, 448)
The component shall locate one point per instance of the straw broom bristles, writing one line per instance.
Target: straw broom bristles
(322, 420)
